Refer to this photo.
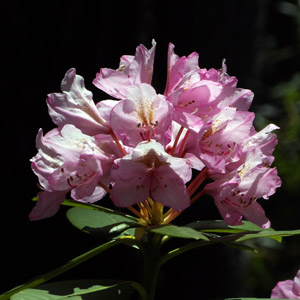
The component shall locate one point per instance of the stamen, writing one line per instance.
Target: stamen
(117, 142)
(193, 186)
(104, 187)
(197, 196)
(181, 150)
(170, 215)
(176, 140)
(69, 183)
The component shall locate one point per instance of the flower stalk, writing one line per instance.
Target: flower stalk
(151, 265)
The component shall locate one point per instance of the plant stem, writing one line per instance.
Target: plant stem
(151, 266)
(181, 250)
(69, 265)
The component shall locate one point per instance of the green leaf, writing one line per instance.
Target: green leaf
(101, 223)
(219, 226)
(241, 247)
(78, 290)
(242, 232)
(73, 203)
(180, 232)
(270, 234)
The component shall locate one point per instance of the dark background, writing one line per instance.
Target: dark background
(40, 41)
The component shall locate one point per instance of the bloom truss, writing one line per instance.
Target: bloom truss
(141, 148)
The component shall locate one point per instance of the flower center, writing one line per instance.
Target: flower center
(145, 112)
(151, 160)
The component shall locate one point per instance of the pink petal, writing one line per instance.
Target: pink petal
(256, 214)
(283, 290)
(170, 191)
(132, 71)
(75, 106)
(48, 205)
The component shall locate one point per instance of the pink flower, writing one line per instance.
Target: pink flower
(76, 106)
(231, 95)
(132, 70)
(189, 148)
(68, 160)
(198, 94)
(179, 69)
(150, 172)
(145, 115)
(236, 192)
(264, 140)
(288, 289)
(220, 141)
(145, 144)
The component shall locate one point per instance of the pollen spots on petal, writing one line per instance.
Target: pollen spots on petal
(80, 179)
(77, 143)
(139, 186)
(244, 171)
(187, 103)
(155, 188)
(187, 84)
(240, 199)
(215, 127)
(151, 160)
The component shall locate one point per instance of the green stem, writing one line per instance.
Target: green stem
(140, 289)
(69, 265)
(151, 266)
(181, 250)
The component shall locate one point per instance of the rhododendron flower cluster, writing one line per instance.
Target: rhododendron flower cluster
(142, 146)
